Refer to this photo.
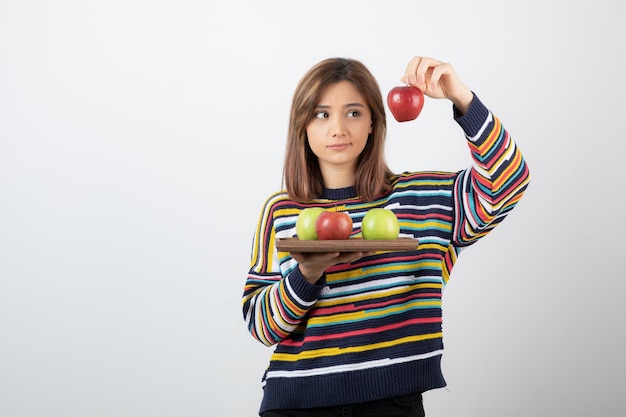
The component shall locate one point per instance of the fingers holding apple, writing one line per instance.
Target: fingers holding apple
(438, 79)
(425, 73)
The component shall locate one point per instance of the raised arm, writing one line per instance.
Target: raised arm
(497, 179)
(499, 175)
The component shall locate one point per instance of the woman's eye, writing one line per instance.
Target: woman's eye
(354, 113)
(321, 115)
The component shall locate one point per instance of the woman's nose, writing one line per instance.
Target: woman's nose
(338, 127)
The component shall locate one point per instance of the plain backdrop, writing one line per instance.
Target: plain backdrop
(139, 139)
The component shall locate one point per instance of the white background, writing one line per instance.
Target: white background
(138, 140)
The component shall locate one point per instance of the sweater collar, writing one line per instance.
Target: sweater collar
(339, 193)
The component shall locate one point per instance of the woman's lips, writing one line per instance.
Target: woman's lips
(339, 146)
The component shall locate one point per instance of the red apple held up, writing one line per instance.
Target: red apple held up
(405, 102)
(333, 225)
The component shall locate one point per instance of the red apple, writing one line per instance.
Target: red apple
(405, 102)
(333, 225)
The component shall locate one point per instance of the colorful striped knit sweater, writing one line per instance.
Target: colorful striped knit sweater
(373, 329)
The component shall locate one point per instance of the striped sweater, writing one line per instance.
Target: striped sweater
(373, 329)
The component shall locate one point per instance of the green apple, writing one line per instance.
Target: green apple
(380, 223)
(305, 223)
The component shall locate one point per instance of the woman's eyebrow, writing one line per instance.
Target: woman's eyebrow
(322, 106)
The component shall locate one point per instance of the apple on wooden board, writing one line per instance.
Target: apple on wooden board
(305, 223)
(405, 102)
(380, 223)
(333, 225)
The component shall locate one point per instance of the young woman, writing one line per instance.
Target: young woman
(360, 334)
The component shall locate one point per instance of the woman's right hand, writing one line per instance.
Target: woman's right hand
(438, 79)
(313, 265)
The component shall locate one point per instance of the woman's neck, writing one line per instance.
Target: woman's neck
(338, 177)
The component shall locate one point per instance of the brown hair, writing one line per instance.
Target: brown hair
(301, 172)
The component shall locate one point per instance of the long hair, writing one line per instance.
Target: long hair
(302, 177)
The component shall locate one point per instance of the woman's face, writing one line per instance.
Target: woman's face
(340, 127)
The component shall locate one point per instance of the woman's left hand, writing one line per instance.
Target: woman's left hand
(437, 79)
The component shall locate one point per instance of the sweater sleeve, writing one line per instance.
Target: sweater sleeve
(487, 191)
(275, 298)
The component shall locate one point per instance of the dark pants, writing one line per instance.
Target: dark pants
(403, 406)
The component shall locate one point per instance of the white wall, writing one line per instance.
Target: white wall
(139, 138)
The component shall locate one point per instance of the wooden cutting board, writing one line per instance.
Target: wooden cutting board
(346, 245)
